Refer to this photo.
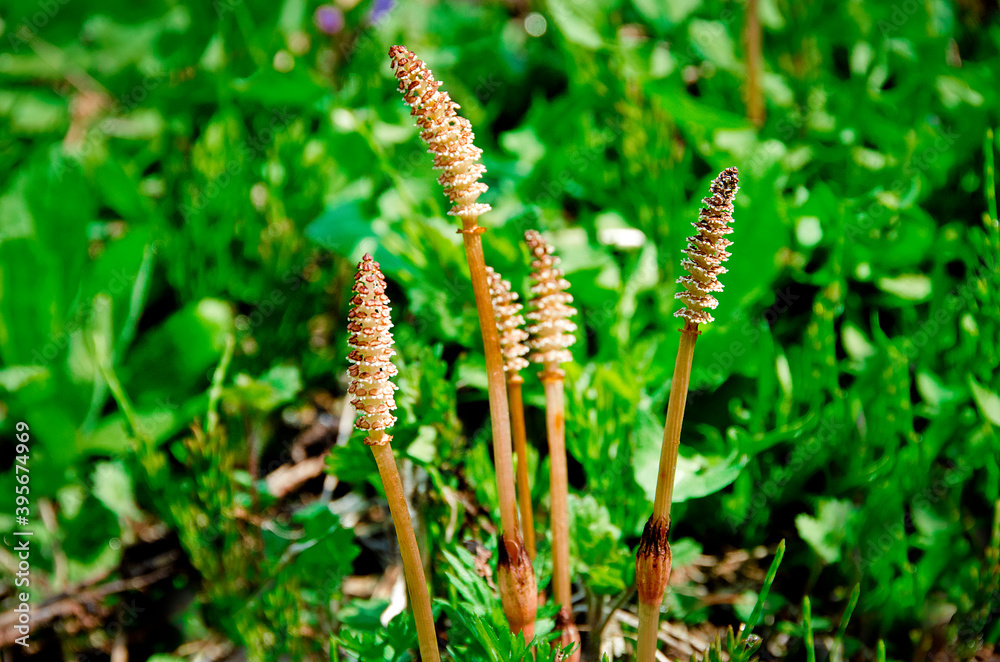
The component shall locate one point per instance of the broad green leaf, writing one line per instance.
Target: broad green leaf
(278, 386)
(701, 475)
(175, 359)
(596, 548)
(577, 20)
(114, 488)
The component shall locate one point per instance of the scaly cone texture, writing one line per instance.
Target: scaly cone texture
(706, 250)
(552, 331)
(510, 324)
(448, 135)
(371, 353)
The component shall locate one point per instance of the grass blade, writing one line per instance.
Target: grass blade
(765, 589)
(838, 640)
(807, 622)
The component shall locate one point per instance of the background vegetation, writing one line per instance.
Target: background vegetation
(187, 187)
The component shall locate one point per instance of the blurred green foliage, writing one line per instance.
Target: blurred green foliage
(179, 178)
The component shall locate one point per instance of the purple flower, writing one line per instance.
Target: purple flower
(379, 10)
(329, 19)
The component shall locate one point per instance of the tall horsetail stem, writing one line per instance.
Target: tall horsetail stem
(706, 253)
(450, 139)
(551, 335)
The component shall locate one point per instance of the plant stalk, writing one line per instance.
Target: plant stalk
(516, 403)
(413, 567)
(516, 575)
(646, 644)
(555, 422)
(653, 557)
(675, 419)
(752, 42)
(499, 412)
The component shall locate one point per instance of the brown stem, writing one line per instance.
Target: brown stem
(754, 57)
(646, 643)
(653, 556)
(516, 402)
(675, 419)
(413, 568)
(555, 422)
(517, 592)
(499, 412)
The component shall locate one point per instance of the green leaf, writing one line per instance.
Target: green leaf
(325, 551)
(16, 377)
(987, 401)
(467, 582)
(576, 19)
(176, 358)
(701, 475)
(714, 41)
(935, 392)
(855, 343)
(273, 88)
(342, 227)
(826, 532)
(113, 487)
(596, 547)
(278, 386)
(158, 423)
(758, 608)
(363, 614)
(666, 14)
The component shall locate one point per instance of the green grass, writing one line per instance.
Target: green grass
(180, 254)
